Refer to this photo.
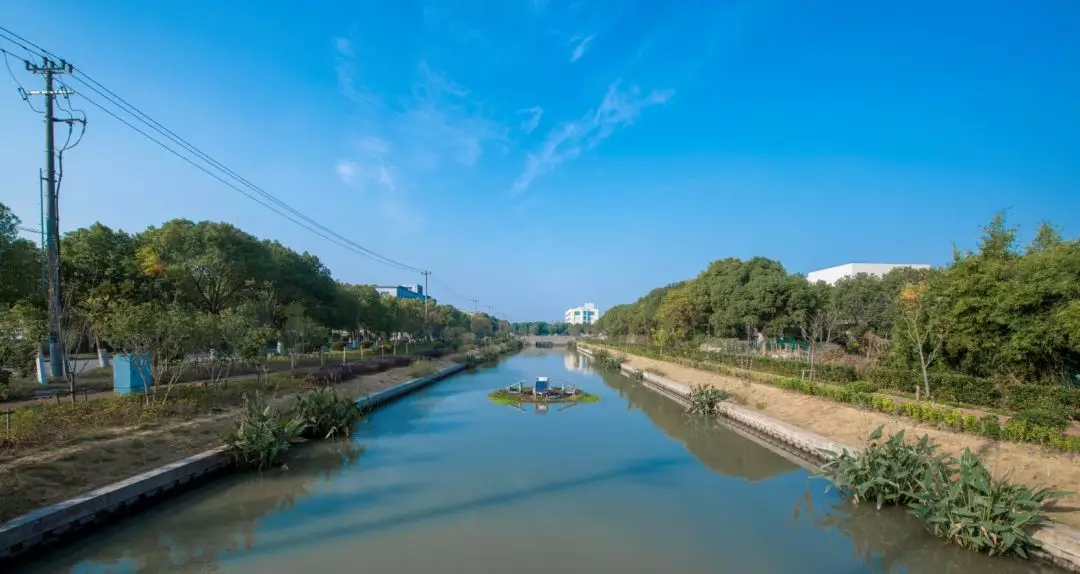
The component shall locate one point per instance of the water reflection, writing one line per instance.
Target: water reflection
(450, 482)
(890, 540)
(716, 446)
(202, 527)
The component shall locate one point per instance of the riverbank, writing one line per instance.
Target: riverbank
(836, 426)
(99, 454)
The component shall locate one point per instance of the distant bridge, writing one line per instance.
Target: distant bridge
(554, 340)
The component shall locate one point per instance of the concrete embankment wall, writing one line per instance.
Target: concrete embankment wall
(64, 519)
(1060, 545)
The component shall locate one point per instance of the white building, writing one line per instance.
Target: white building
(587, 314)
(834, 274)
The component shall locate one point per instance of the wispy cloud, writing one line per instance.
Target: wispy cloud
(535, 113)
(394, 150)
(618, 109)
(346, 171)
(581, 47)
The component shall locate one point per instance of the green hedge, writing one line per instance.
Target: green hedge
(982, 392)
(947, 387)
(781, 367)
(947, 418)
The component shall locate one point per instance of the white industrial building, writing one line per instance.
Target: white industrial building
(587, 314)
(834, 274)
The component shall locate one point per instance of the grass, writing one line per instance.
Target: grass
(422, 368)
(1036, 426)
(48, 423)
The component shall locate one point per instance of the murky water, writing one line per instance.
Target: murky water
(449, 482)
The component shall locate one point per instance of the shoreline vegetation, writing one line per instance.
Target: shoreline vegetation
(961, 494)
(982, 356)
(223, 323)
(259, 420)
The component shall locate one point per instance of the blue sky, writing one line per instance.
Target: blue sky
(539, 154)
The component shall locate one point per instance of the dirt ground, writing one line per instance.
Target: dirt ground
(45, 476)
(850, 425)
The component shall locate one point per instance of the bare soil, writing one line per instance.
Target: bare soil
(1028, 464)
(44, 476)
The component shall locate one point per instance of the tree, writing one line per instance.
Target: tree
(159, 337)
(924, 325)
(74, 328)
(209, 264)
(818, 318)
(480, 325)
(22, 328)
(20, 263)
(98, 269)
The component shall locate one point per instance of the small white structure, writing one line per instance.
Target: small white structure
(834, 274)
(587, 314)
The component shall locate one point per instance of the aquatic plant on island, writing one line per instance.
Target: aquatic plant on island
(505, 397)
(324, 413)
(958, 499)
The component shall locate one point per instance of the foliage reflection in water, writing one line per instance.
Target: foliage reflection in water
(447, 482)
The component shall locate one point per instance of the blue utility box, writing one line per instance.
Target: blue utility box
(131, 374)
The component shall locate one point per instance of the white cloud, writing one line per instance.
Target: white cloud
(344, 47)
(373, 146)
(535, 113)
(386, 179)
(346, 171)
(581, 48)
(618, 109)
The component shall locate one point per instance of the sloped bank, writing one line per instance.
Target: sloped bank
(1060, 545)
(59, 522)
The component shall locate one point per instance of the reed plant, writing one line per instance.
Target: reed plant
(263, 434)
(325, 414)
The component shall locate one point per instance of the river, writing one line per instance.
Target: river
(446, 481)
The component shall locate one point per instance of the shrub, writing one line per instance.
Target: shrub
(864, 387)
(263, 435)
(990, 426)
(885, 473)
(325, 414)
(970, 507)
(1052, 418)
(958, 500)
(704, 398)
(337, 346)
(422, 368)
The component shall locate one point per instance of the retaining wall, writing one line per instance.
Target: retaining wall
(1059, 545)
(52, 523)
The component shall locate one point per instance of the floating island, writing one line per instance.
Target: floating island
(541, 393)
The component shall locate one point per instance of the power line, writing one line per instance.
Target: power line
(20, 89)
(279, 207)
(166, 133)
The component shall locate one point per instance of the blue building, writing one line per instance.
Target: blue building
(402, 291)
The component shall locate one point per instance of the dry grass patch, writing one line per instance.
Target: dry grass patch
(46, 474)
(1028, 464)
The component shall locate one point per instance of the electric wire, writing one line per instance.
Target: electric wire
(116, 100)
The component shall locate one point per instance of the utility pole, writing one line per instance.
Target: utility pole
(427, 324)
(475, 305)
(50, 69)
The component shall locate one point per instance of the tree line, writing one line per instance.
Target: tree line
(206, 286)
(1004, 311)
